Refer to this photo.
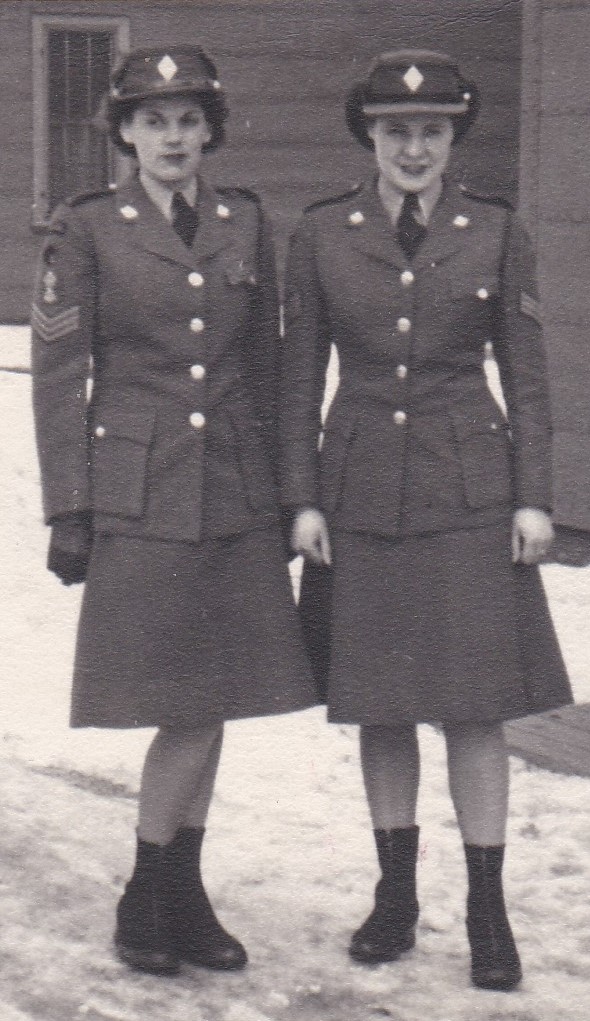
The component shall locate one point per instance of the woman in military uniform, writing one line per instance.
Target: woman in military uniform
(433, 507)
(160, 489)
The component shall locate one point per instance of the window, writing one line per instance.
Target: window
(72, 59)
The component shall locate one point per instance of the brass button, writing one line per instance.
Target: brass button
(196, 279)
(407, 278)
(197, 420)
(100, 431)
(400, 417)
(198, 371)
(404, 325)
(197, 325)
(401, 371)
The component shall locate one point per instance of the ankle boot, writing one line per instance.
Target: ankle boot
(199, 937)
(495, 963)
(144, 937)
(390, 928)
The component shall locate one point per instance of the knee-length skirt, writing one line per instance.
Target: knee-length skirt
(185, 635)
(431, 628)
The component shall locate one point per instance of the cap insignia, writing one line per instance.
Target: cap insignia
(167, 68)
(129, 212)
(356, 218)
(223, 212)
(216, 85)
(461, 221)
(413, 78)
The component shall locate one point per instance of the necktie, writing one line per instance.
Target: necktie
(410, 233)
(185, 219)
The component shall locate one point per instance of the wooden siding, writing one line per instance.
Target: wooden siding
(556, 179)
(286, 66)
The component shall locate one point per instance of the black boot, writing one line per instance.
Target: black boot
(495, 963)
(199, 936)
(144, 937)
(390, 928)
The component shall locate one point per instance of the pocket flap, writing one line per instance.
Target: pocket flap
(135, 424)
(473, 423)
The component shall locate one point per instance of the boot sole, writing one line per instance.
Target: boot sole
(153, 962)
(385, 956)
(502, 982)
(214, 964)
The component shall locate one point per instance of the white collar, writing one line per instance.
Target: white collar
(394, 200)
(161, 196)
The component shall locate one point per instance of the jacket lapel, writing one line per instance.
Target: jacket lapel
(149, 229)
(373, 233)
(371, 230)
(449, 223)
(216, 223)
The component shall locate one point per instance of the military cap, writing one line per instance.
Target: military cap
(162, 72)
(410, 82)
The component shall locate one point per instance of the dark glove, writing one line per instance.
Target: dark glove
(69, 548)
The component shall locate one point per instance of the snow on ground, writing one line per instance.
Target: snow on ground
(289, 856)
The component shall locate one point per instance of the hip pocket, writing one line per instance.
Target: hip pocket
(120, 446)
(486, 459)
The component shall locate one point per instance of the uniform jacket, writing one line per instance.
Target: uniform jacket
(178, 437)
(414, 440)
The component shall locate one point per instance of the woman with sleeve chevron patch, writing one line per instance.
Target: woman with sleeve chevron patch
(160, 489)
(432, 508)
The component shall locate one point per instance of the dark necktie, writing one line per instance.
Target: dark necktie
(185, 219)
(410, 233)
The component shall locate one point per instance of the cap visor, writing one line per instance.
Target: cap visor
(382, 109)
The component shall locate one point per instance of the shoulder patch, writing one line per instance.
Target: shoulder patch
(529, 306)
(88, 196)
(491, 200)
(333, 200)
(246, 193)
(55, 326)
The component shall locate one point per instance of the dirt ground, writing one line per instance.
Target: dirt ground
(289, 859)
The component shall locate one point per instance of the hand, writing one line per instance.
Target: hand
(532, 535)
(69, 548)
(310, 536)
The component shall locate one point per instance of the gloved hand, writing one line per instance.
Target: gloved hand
(69, 547)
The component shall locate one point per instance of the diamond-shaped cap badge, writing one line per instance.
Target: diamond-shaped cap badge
(167, 68)
(413, 78)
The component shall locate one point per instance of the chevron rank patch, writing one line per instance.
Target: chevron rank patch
(530, 307)
(56, 326)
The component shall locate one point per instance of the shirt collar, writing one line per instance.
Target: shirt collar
(162, 196)
(427, 200)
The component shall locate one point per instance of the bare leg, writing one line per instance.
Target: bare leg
(391, 771)
(478, 780)
(177, 781)
(196, 812)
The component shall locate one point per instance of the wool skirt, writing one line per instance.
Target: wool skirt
(185, 635)
(431, 628)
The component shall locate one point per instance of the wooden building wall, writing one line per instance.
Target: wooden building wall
(556, 202)
(286, 66)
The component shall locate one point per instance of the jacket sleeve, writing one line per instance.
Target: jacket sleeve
(263, 341)
(306, 352)
(520, 353)
(62, 323)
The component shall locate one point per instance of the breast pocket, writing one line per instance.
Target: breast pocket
(120, 446)
(474, 302)
(484, 448)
